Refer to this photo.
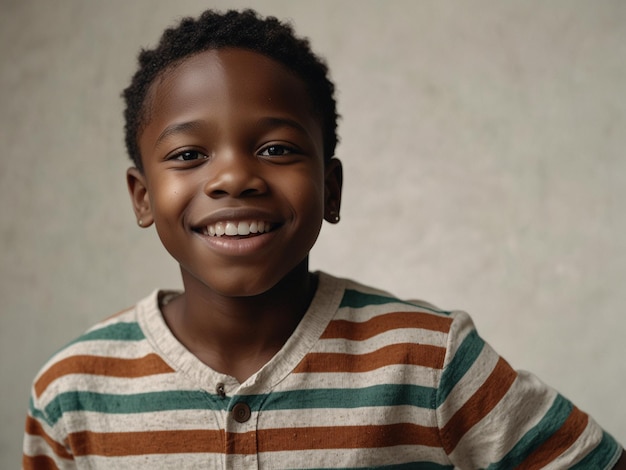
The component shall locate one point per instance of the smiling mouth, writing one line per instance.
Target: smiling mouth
(239, 229)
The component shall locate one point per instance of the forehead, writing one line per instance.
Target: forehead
(229, 80)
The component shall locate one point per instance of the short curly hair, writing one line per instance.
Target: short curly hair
(242, 29)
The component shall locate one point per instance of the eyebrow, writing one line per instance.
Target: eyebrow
(272, 121)
(268, 122)
(178, 128)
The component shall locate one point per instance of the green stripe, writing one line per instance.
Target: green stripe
(356, 299)
(123, 331)
(376, 396)
(464, 358)
(400, 466)
(604, 456)
(132, 403)
(551, 422)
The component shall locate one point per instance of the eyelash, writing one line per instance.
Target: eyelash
(286, 150)
(180, 156)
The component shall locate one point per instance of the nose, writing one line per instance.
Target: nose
(235, 175)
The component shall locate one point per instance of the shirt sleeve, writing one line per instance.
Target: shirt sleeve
(44, 442)
(494, 417)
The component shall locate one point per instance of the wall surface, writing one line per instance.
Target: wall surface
(483, 145)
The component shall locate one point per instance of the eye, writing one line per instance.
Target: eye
(189, 155)
(276, 151)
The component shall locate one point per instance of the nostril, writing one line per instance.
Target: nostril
(250, 192)
(218, 193)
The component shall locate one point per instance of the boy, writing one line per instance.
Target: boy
(231, 126)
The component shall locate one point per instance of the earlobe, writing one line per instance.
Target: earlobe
(333, 181)
(138, 190)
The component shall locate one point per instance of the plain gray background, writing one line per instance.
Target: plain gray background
(483, 145)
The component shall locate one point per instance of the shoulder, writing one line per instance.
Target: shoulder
(365, 304)
(375, 317)
(115, 347)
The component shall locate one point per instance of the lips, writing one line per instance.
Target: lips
(240, 228)
(238, 232)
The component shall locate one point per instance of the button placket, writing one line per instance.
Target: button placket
(241, 442)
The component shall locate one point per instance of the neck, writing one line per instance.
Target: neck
(238, 335)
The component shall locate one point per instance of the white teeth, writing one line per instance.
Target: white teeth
(237, 228)
(231, 229)
(243, 228)
(220, 229)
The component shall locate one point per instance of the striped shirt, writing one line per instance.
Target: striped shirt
(365, 381)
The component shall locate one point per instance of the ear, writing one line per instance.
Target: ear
(139, 196)
(333, 181)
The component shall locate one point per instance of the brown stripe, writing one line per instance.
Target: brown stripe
(558, 443)
(347, 437)
(242, 443)
(38, 462)
(269, 440)
(359, 331)
(34, 428)
(118, 444)
(479, 405)
(403, 353)
(150, 364)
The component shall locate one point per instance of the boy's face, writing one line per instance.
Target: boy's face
(231, 143)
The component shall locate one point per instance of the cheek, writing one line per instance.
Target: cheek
(169, 200)
(308, 203)
(307, 195)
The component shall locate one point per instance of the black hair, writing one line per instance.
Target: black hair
(243, 29)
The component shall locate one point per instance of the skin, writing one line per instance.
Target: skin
(232, 136)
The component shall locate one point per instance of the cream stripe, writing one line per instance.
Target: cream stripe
(346, 417)
(153, 421)
(38, 446)
(209, 420)
(392, 374)
(269, 419)
(404, 335)
(368, 312)
(350, 458)
(160, 461)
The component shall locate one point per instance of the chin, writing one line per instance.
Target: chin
(246, 280)
(243, 286)
(247, 290)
